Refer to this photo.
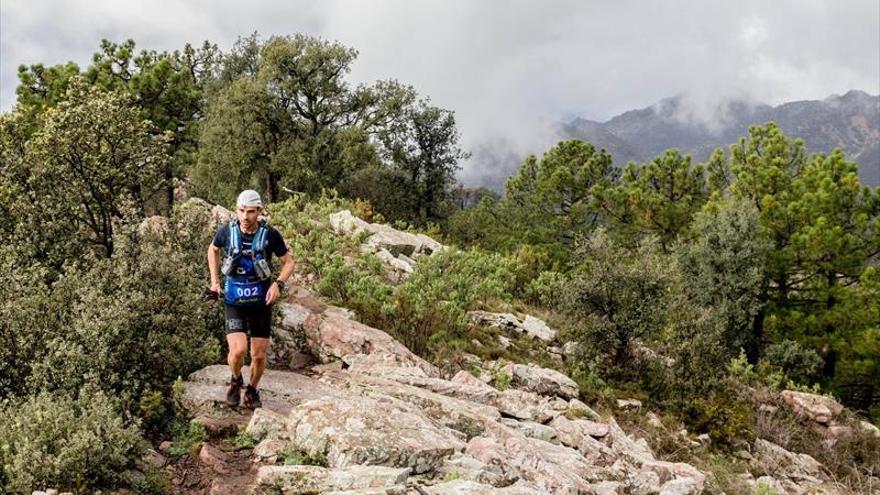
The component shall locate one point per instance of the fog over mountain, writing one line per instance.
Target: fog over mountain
(850, 122)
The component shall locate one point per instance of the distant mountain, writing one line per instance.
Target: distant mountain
(850, 122)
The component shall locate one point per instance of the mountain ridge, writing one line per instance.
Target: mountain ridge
(850, 121)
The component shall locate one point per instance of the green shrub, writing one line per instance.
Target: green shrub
(545, 289)
(77, 444)
(244, 441)
(796, 362)
(621, 297)
(292, 455)
(725, 421)
(187, 437)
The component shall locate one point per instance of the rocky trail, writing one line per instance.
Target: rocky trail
(348, 410)
(384, 421)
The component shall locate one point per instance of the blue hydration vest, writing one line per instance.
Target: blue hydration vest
(245, 287)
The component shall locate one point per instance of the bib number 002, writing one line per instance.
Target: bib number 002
(247, 291)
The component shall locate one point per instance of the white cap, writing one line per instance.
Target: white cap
(249, 197)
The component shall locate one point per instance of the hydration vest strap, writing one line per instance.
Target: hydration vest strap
(234, 238)
(260, 240)
(258, 244)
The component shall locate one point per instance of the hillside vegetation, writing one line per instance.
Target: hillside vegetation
(701, 289)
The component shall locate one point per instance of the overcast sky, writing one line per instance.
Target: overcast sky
(510, 70)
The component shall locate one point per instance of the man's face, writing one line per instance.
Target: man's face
(247, 216)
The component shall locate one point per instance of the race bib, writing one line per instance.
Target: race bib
(240, 293)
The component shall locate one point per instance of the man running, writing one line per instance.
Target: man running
(249, 291)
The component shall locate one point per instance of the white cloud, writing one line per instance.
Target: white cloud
(510, 69)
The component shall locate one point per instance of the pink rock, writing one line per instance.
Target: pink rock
(819, 408)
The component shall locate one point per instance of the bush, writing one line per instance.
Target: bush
(621, 296)
(132, 323)
(188, 437)
(77, 444)
(545, 290)
(724, 415)
(129, 324)
(796, 362)
(427, 311)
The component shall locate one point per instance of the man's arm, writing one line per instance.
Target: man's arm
(213, 266)
(287, 268)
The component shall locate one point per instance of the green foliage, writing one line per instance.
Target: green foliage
(824, 228)
(165, 87)
(283, 116)
(591, 386)
(244, 441)
(500, 378)
(451, 476)
(658, 198)
(78, 444)
(764, 489)
(292, 455)
(547, 204)
(144, 301)
(187, 437)
(796, 362)
(427, 311)
(724, 269)
(723, 414)
(692, 355)
(91, 163)
(424, 147)
(546, 289)
(621, 297)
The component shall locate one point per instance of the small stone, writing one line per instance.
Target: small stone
(681, 486)
(214, 458)
(629, 404)
(870, 428)
(767, 408)
(608, 488)
(165, 446)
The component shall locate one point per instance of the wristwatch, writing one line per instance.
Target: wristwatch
(280, 284)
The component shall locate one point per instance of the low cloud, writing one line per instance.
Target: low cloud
(511, 70)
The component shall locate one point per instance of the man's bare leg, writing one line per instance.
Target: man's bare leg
(237, 349)
(259, 350)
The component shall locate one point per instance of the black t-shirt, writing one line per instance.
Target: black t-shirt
(274, 242)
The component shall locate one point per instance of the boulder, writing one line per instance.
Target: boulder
(331, 335)
(777, 461)
(384, 236)
(314, 479)
(819, 408)
(572, 431)
(629, 404)
(681, 486)
(536, 327)
(205, 393)
(869, 428)
(542, 381)
(466, 467)
(343, 222)
(643, 483)
(395, 262)
(531, 326)
(546, 466)
(361, 430)
(533, 430)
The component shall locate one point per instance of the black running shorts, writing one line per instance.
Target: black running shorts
(254, 319)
